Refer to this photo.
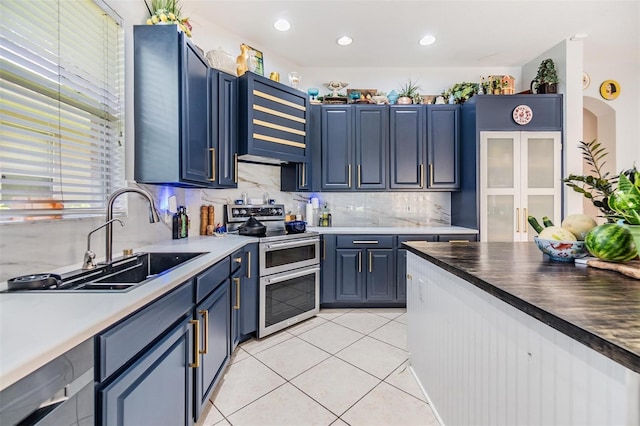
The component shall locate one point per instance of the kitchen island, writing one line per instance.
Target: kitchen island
(500, 335)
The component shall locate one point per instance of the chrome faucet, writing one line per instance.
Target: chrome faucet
(89, 256)
(153, 217)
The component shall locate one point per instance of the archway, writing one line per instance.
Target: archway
(599, 122)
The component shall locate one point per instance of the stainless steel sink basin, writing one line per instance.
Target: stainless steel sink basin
(127, 273)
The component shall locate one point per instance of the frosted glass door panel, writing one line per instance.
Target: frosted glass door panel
(500, 162)
(540, 162)
(500, 213)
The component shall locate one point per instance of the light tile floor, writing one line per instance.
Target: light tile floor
(342, 367)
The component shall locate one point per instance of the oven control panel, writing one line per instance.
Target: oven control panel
(240, 213)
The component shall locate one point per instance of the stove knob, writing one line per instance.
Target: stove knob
(279, 211)
(243, 212)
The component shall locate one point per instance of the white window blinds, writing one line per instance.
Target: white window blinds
(61, 108)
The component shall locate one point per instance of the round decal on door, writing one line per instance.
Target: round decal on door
(522, 114)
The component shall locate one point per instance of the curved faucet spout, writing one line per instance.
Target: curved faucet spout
(153, 216)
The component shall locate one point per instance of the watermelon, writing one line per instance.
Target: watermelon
(611, 242)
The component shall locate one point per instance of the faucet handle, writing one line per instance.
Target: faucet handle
(89, 261)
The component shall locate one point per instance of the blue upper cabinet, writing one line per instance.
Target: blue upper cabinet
(407, 154)
(443, 147)
(171, 108)
(273, 121)
(337, 147)
(224, 128)
(354, 147)
(371, 139)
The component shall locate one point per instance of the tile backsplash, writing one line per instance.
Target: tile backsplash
(45, 246)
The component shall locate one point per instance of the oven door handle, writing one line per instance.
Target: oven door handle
(296, 243)
(296, 274)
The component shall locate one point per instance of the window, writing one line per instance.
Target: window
(61, 108)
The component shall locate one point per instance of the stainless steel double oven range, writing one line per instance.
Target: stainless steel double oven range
(289, 268)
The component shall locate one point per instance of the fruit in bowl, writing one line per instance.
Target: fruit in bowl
(562, 250)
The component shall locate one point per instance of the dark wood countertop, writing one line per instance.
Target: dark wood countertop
(600, 309)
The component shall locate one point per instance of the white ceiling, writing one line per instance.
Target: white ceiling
(471, 33)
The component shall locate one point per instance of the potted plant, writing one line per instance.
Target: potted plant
(168, 12)
(617, 197)
(546, 80)
(461, 92)
(409, 93)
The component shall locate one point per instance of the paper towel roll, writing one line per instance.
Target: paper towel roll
(309, 213)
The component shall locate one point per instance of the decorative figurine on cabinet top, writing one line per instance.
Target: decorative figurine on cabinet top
(242, 61)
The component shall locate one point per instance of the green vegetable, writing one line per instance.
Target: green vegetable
(611, 242)
(534, 224)
(546, 221)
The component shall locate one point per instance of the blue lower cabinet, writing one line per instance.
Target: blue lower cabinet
(157, 388)
(401, 273)
(213, 315)
(381, 277)
(349, 276)
(249, 296)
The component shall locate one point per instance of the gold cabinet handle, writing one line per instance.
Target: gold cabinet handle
(196, 345)
(421, 175)
(360, 261)
(303, 173)
(458, 241)
(237, 259)
(524, 220)
(235, 163)
(324, 249)
(409, 277)
(370, 261)
(517, 219)
(359, 177)
(248, 264)
(237, 282)
(349, 173)
(213, 164)
(205, 315)
(430, 174)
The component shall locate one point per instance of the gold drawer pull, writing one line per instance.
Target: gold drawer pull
(196, 345)
(237, 282)
(213, 164)
(205, 315)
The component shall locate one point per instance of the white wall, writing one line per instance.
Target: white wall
(27, 247)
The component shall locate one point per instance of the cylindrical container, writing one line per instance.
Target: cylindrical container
(204, 219)
(275, 76)
(309, 213)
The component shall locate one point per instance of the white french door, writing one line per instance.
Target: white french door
(519, 176)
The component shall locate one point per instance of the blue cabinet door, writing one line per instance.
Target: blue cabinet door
(196, 141)
(401, 274)
(328, 268)
(407, 153)
(380, 275)
(224, 128)
(443, 146)
(213, 313)
(249, 294)
(371, 146)
(349, 276)
(337, 147)
(157, 388)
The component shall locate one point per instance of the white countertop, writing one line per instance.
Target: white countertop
(37, 327)
(406, 230)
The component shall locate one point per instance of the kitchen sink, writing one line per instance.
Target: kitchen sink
(126, 273)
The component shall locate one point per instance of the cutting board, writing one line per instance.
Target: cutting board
(630, 269)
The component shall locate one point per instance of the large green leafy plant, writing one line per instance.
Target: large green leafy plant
(616, 196)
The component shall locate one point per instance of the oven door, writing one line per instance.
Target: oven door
(288, 298)
(281, 256)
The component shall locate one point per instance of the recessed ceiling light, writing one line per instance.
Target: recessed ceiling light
(427, 40)
(282, 25)
(344, 41)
